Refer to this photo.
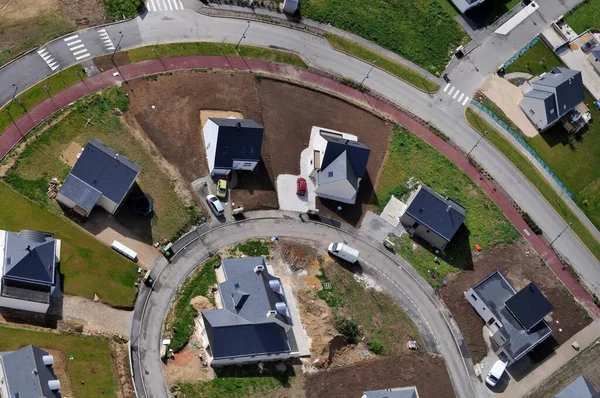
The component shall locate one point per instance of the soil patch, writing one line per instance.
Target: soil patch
(520, 265)
(187, 366)
(71, 153)
(60, 370)
(428, 373)
(84, 12)
(289, 113)
(121, 358)
(207, 113)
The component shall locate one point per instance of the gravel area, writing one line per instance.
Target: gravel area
(96, 317)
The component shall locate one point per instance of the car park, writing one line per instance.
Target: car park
(588, 46)
(215, 205)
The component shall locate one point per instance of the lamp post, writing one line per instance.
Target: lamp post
(112, 58)
(46, 88)
(159, 58)
(474, 146)
(561, 232)
(14, 98)
(243, 37)
(8, 110)
(367, 75)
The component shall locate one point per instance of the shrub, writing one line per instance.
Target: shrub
(347, 328)
(122, 9)
(531, 224)
(253, 248)
(376, 346)
(330, 297)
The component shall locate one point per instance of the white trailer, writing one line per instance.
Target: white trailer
(124, 250)
(344, 252)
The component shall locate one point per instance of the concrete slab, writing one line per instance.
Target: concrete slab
(205, 186)
(576, 59)
(375, 227)
(286, 194)
(392, 211)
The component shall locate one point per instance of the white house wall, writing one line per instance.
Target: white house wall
(211, 134)
(244, 165)
(252, 359)
(107, 204)
(23, 305)
(2, 254)
(65, 201)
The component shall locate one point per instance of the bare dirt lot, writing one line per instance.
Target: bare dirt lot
(520, 265)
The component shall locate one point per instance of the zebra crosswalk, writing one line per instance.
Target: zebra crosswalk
(456, 94)
(106, 41)
(77, 47)
(48, 59)
(164, 5)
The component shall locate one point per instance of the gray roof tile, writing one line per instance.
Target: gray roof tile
(238, 139)
(26, 374)
(30, 256)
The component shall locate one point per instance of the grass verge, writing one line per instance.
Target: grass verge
(122, 9)
(537, 60)
(529, 171)
(208, 48)
(397, 69)
(37, 93)
(421, 30)
(409, 156)
(585, 16)
(197, 285)
(386, 327)
(84, 260)
(253, 248)
(90, 370)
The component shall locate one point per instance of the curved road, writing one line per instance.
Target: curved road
(392, 273)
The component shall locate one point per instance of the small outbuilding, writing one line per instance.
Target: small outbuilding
(100, 177)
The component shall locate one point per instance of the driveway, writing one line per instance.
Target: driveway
(576, 59)
(392, 273)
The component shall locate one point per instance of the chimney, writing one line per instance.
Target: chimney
(54, 385)
(448, 209)
(48, 360)
(259, 268)
(28, 248)
(238, 125)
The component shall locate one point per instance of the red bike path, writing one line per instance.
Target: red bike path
(26, 123)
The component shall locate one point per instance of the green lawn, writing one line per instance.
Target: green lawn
(91, 364)
(585, 16)
(383, 321)
(84, 260)
(36, 94)
(252, 248)
(208, 48)
(485, 224)
(41, 161)
(397, 69)
(536, 179)
(537, 60)
(122, 9)
(421, 30)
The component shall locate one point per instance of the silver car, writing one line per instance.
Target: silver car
(215, 205)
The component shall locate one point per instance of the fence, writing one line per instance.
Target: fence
(521, 52)
(529, 149)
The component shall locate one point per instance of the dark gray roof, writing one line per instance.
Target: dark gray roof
(357, 154)
(442, 215)
(238, 139)
(538, 94)
(596, 53)
(529, 306)
(105, 170)
(338, 169)
(579, 388)
(568, 84)
(30, 256)
(401, 392)
(494, 290)
(26, 374)
(242, 327)
(80, 192)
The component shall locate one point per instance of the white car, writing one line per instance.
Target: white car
(495, 373)
(215, 205)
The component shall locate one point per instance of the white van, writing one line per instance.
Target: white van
(495, 373)
(344, 252)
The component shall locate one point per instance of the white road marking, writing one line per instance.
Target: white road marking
(82, 56)
(465, 101)
(79, 52)
(451, 90)
(170, 5)
(73, 43)
(151, 6)
(446, 88)
(47, 57)
(164, 4)
(106, 41)
(77, 47)
(71, 37)
(461, 97)
(455, 94)
(180, 4)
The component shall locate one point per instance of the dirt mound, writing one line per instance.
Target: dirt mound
(318, 321)
(201, 303)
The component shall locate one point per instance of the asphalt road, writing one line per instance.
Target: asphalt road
(390, 272)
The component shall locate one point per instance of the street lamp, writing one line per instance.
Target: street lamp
(367, 75)
(474, 146)
(243, 36)
(112, 58)
(561, 232)
(8, 110)
(159, 58)
(46, 88)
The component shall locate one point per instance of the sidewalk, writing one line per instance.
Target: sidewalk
(563, 354)
(11, 135)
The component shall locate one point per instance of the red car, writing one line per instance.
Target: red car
(300, 186)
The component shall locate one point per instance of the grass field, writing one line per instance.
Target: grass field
(397, 69)
(36, 94)
(207, 48)
(41, 161)
(84, 260)
(384, 323)
(91, 371)
(422, 30)
(536, 179)
(537, 60)
(485, 224)
(585, 16)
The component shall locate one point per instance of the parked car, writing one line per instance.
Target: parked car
(588, 46)
(300, 186)
(215, 205)
(344, 252)
(222, 188)
(495, 373)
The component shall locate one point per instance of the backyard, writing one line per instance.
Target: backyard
(84, 260)
(485, 224)
(422, 31)
(585, 16)
(88, 360)
(537, 60)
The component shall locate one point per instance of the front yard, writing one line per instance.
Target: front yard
(585, 16)
(485, 224)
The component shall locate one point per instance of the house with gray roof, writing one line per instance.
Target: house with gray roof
(28, 373)
(338, 164)
(594, 59)
(579, 388)
(29, 270)
(254, 323)
(100, 177)
(399, 392)
(465, 5)
(432, 217)
(515, 319)
(552, 96)
(232, 144)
